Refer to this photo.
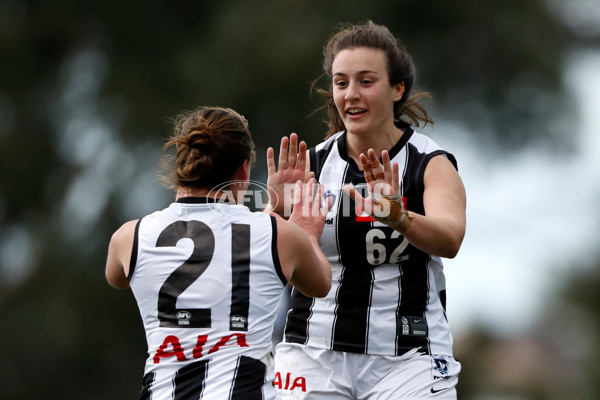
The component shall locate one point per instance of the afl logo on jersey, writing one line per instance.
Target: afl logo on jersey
(238, 323)
(183, 317)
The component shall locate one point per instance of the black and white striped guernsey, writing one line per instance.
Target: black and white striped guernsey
(387, 297)
(207, 281)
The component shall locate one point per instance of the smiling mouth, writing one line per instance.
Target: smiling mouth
(356, 111)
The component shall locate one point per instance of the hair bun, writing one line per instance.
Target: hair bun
(200, 136)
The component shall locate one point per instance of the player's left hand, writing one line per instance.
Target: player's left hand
(384, 202)
(309, 213)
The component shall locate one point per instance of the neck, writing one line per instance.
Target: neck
(193, 192)
(231, 193)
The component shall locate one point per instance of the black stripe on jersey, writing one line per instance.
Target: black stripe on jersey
(350, 330)
(202, 200)
(351, 321)
(425, 160)
(408, 132)
(296, 326)
(146, 393)
(249, 379)
(240, 277)
(275, 252)
(442, 295)
(189, 381)
(134, 250)
(414, 289)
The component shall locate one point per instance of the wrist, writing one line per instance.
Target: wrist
(405, 222)
(394, 213)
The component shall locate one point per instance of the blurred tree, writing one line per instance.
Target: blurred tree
(86, 93)
(555, 360)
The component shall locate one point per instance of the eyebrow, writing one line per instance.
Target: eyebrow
(363, 72)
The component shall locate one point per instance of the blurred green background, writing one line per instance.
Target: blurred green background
(88, 90)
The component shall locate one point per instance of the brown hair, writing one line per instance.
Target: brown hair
(399, 65)
(210, 144)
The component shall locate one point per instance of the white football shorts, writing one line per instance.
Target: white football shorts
(303, 372)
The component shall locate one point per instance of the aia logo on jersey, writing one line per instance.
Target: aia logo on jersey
(362, 216)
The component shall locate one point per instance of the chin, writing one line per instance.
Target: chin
(356, 129)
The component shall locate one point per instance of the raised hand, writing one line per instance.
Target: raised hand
(290, 169)
(384, 202)
(308, 213)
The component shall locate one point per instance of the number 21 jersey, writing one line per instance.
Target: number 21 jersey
(207, 281)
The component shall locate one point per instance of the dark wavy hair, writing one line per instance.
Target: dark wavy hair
(399, 65)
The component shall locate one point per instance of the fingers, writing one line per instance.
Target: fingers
(293, 151)
(364, 162)
(298, 195)
(395, 178)
(301, 162)
(307, 198)
(372, 168)
(387, 167)
(283, 153)
(317, 201)
(375, 166)
(324, 208)
(271, 161)
(291, 154)
(355, 196)
(391, 172)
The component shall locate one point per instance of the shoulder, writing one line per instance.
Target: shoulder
(424, 142)
(125, 232)
(430, 149)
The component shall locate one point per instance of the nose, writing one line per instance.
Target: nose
(352, 92)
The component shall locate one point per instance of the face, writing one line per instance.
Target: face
(362, 92)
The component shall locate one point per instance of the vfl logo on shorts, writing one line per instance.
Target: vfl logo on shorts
(441, 367)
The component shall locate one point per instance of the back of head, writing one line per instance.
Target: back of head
(399, 66)
(210, 144)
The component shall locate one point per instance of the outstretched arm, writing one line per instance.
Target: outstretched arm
(441, 229)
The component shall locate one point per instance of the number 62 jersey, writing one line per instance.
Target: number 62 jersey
(207, 281)
(387, 296)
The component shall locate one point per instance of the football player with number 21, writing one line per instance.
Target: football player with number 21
(207, 273)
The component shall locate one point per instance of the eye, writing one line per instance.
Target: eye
(366, 82)
(340, 83)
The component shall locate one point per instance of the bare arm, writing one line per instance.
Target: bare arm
(119, 255)
(442, 229)
(302, 260)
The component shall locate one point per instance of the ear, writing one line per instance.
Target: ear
(399, 92)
